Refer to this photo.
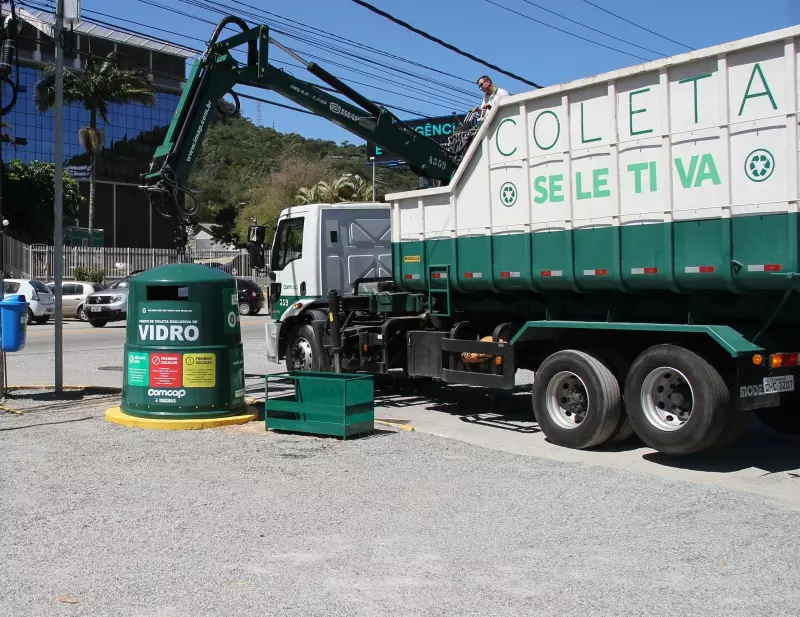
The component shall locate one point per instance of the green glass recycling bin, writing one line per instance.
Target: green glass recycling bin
(338, 404)
(183, 350)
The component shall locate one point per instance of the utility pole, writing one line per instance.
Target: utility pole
(58, 231)
(373, 179)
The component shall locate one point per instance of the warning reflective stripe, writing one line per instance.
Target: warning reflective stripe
(507, 275)
(764, 268)
(439, 275)
(551, 273)
(644, 270)
(698, 269)
(473, 275)
(410, 277)
(597, 272)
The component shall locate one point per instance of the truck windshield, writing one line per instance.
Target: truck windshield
(288, 243)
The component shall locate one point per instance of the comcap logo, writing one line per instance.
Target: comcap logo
(175, 393)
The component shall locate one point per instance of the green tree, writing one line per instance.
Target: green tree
(102, 83)
(29, 197)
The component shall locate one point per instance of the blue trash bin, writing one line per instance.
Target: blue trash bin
(14, 313)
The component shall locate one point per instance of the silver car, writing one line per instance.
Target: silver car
(109, 304)
(73, 297)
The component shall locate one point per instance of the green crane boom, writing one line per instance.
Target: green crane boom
(216, 73)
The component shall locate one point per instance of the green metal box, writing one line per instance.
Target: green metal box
(339, 404)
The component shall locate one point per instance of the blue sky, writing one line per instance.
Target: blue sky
(508, 40)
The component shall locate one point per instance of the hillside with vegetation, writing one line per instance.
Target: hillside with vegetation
(247, 171)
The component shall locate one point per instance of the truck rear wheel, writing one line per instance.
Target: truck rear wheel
(303, 351)
(676, 401)
(576, 400)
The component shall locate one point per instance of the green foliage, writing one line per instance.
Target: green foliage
(29, 198)
(90, 275)
(246, 171)
(348, 187)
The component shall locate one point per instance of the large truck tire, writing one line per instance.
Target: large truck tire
(786, 417)
(619, 365)
(576, 400)
(303, 351)
(676, 401)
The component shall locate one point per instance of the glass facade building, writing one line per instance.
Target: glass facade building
(132, 131)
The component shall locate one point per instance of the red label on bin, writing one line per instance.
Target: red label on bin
(166, 370)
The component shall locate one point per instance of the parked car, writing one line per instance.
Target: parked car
(251, 296)
(41, 302)
(109, 304)
(73, 297)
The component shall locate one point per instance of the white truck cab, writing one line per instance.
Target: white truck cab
(319, 247)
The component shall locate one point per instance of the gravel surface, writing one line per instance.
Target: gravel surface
(236, 522)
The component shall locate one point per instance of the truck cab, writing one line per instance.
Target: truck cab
(319, 247)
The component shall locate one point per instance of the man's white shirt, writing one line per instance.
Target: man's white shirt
(492, 99)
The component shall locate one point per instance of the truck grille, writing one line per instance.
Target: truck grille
(99, 300)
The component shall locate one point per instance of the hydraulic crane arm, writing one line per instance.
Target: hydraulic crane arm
(217, 72)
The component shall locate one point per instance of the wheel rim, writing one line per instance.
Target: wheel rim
(82, 315)
(244, 308)
(567, 400)
(667, 398)
(302, 355)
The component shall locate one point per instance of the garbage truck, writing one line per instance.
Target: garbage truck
(631, 238)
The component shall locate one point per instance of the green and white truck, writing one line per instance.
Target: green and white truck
(632, 238)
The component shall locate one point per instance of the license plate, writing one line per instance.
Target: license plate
(94, 309)
(773, 385)
(48, 310)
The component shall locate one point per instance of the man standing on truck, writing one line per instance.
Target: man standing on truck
(491, 95)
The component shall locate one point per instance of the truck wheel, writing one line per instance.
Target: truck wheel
(619, 365)
(303, 351)
(676, 401)
(576, 399)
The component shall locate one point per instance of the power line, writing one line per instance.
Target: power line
(202, 19)
(611, 36)
(577, 36)
(350, 41)
(303, 36)
(166, 75)
(638, 26)
(387, 105)
(430, 37)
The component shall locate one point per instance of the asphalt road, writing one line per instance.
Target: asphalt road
(102, 520)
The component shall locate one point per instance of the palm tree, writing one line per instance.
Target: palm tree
(312, 195)
(102, 83)
(360, 189)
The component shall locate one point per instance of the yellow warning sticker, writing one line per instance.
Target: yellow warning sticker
(199, 370)
(413, 259)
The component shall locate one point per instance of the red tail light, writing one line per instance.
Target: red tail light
(783, 360)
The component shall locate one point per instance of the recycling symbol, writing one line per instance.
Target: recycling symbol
(759, 165)
(508, 194)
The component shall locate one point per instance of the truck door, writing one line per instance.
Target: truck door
(293, 265)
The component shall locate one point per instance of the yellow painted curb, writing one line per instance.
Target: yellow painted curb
(117, 416)
(396, 424)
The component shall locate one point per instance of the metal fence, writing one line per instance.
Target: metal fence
(36, 261)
